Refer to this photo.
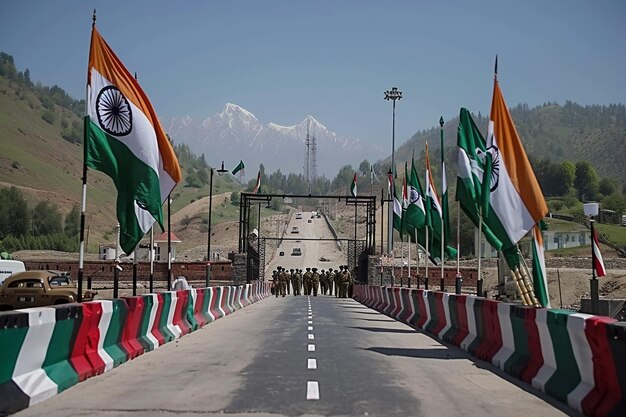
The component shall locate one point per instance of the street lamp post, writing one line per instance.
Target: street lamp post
(393, 95)
(220, 172)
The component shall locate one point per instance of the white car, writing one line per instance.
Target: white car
(298, 216)
(295, 229)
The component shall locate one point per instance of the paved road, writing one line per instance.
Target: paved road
(258, 362)
(312, 250)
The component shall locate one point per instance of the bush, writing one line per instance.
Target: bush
(49, 116)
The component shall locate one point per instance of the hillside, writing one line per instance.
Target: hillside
(560, 132)
(41, 154)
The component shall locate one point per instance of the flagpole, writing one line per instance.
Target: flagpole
(409, 278)
(417, 262)
(479, 281)
(151, 259)
(426, 263)
(458, 279)
(595, 298)
(443, 195)
(169, 242)
(83, 204)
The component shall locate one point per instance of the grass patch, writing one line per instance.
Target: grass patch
(614, 233)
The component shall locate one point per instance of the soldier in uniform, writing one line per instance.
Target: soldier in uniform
(329, 281)
(343, 290)
(315, 282)
(323, 282)
(297, 282)
(337, 282)
(308, 275)
(275, 281)
(350, 281)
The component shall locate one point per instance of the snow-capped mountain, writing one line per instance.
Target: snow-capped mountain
(235, 133)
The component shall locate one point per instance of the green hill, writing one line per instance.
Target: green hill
(41, 153)
(560, 132)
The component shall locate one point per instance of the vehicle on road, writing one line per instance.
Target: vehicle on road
(295, 229)
(39, 288)
(9, 267)
(309, 221)
(298, 216)
(318, 215)
(296, 252)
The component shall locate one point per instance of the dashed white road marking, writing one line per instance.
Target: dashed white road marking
(309, 322)
(311, 364)
(312, 390)
(311, 336)
(309, 328)
(311, 348)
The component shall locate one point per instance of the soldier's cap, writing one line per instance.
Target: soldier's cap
(308, 268)
(291, 270)
(340, 266)
(330, 269)
(314, 269)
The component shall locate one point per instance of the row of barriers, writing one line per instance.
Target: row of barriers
(579, 359)
(46, 350)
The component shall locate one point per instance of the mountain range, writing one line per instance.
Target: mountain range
(235, 133)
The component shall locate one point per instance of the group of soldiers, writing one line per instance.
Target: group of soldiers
(339, 280)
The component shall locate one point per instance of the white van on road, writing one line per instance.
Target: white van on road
(8, 268)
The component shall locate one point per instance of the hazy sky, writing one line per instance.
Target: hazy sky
(333, 59)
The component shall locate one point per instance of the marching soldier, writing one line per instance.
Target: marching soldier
(351, 281)
(338, 277)
(297, 282)
(315, 281)
(345, 280)
(275, 281)
(308, 276)
(330, 276)
(323, 282)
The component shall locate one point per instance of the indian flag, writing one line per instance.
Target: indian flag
(515, 197)
(353, 186)
(125, 140)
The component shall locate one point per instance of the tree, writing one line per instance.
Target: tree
(14, 215)
(72, 222)
(586, 181)
(364, 167)
(614, 202)
(343, 179)
(234, 198)
(568, 174)
(607, 186)
(46, 219)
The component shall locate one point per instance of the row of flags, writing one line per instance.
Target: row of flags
(496, 186)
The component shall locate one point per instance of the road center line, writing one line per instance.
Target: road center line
(310, 322)
(312, 390)
(310, 328)
(311, 336)
(311, 363)
(311, 348)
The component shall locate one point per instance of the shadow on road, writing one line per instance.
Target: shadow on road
(384, 330)
(419, 353)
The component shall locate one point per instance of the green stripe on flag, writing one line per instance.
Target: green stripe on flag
(134, 180)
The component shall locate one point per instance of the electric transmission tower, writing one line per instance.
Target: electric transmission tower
(310, 157)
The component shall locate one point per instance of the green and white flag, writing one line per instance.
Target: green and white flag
(445, 211)
(241, 168)
(434, 214)
(471, 162)
(397, 206)
(125, 140)
(415, 212)
(353, 186)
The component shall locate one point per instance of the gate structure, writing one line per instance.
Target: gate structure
(255, 246)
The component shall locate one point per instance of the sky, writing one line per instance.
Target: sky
(283, 60)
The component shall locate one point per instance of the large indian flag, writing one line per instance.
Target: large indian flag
(514, 195)
(125, 140)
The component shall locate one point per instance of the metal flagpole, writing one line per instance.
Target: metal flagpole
(409, 278)
(417, 263)
(443, 225)
(479, 281)
(426, 263)
(83, 205)
(458, 279)
(152, 259)
(134, 272)
(169, 243)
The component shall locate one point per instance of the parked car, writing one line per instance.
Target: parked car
(298, 216)
(296, 252)
(39, 288)
(9, 267)
(295, 229)
(309, 221)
